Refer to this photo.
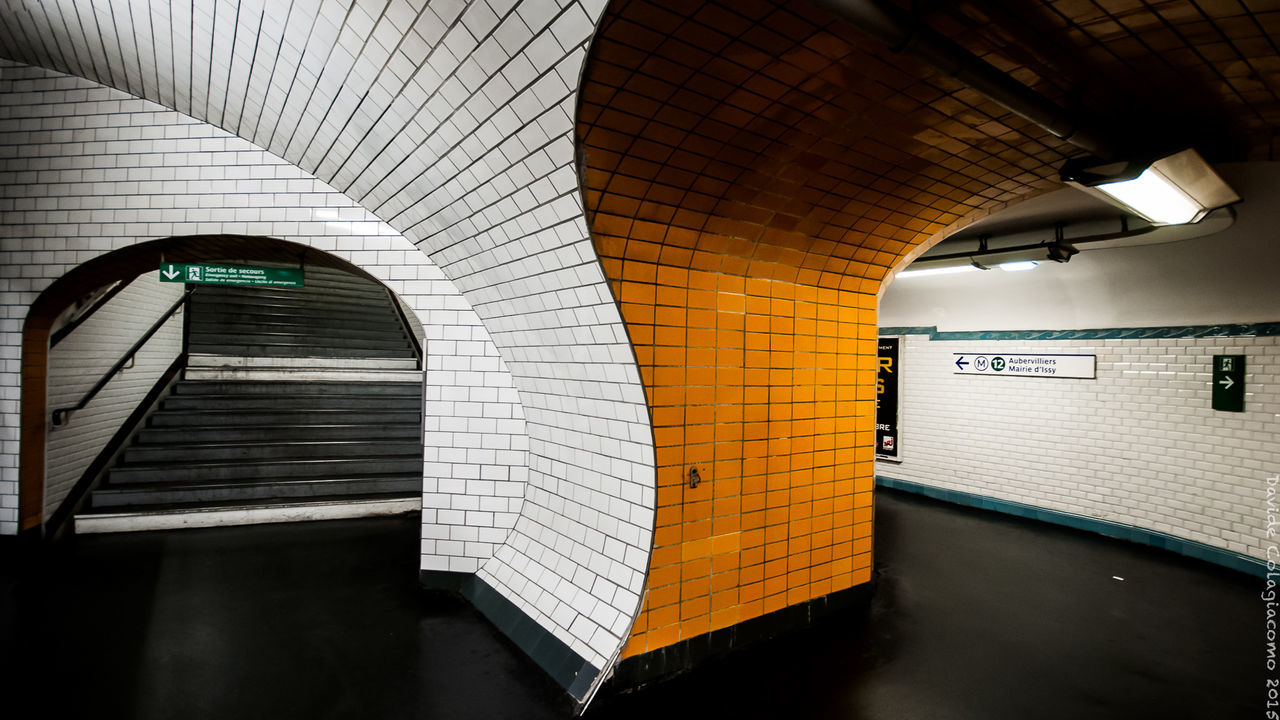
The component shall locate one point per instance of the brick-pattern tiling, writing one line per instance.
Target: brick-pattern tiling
(82, 357)
(1140, 445)
(453, 122)
(85, 169)
(754, 170)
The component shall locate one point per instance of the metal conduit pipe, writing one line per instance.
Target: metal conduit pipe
(904, 33)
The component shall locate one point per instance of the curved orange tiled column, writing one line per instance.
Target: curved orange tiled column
(752, 173)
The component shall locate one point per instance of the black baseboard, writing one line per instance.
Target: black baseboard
(565, 666)
(668, 662)
(443, 580)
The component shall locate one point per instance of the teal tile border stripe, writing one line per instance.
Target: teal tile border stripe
(1190, 548)
(1269, 329)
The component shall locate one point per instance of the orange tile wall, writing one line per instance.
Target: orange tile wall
(767, 387)
(751, 176)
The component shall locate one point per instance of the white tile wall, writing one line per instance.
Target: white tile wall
(85, 169)
(82, 357)
(453, 122)
(1140, 445)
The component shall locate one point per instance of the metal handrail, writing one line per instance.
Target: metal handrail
(62, 415)
(404, 323)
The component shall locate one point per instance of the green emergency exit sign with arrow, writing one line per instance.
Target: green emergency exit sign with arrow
(203, 274)
(1228, 383)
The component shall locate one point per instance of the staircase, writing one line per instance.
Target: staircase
(297, 404)
(336, 315)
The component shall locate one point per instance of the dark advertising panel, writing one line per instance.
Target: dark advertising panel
(888, 439)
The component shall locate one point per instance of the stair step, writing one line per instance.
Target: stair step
(265, 489)
(305, 341)
(299, 374)
(308, 304)
(225, 418)
(288, 402)
(335, 390)
(251, 433)
(195, 515)
(300, 351)
(271, 317)
(299, 347)
(192, 453)
(201, 360)
(230, 471)
(234, 327)
(345, 317)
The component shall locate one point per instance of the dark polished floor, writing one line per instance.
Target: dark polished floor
(974, 615)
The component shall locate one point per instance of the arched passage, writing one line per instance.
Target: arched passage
(475, 168)
(753, 174)
(123, 266)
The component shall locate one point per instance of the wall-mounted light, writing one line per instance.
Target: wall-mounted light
(1174, 190)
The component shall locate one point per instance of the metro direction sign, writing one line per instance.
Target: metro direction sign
(1228, 383)
(1020, 365)
(216, 274)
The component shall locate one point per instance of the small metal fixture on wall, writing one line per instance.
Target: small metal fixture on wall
(694, 477)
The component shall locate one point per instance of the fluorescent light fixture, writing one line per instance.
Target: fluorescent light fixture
(939, 271)
(1155, 198)
(1055, 251)
(1174, 190)
(1013, 259)
(1018, 266)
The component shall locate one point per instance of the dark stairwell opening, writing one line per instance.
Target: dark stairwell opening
(295, 403)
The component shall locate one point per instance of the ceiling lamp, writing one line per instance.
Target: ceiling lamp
(1174, 190)
(1018, 265)
(1012, 258)
(945, 270)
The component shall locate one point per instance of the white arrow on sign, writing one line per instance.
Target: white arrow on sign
(1227, 382)
(171, 273)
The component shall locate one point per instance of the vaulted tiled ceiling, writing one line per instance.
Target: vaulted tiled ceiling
(363, 94)
(1171, 72)
(721, 108)
(794, 135)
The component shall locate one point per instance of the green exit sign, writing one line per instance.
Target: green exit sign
(203, 274)
(1228, 383)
